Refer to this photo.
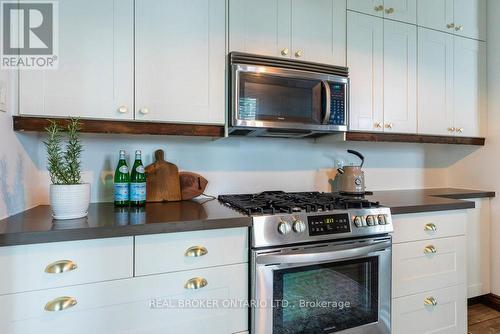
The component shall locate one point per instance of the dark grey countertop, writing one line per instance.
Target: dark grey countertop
(105, 221)
(427, 200)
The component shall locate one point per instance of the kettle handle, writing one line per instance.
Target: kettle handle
(359, 155)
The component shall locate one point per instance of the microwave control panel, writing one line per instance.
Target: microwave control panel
(329, 224)
(338, 101)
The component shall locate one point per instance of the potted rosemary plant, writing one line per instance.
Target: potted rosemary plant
(69, 197)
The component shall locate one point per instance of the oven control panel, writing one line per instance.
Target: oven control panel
(329, 224)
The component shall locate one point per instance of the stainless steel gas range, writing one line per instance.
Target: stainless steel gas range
(320, 263)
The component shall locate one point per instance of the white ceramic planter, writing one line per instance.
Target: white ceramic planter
(69, 201)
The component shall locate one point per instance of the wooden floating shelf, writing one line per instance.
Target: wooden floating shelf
(38, 124)
(412, 138)
(28, 123)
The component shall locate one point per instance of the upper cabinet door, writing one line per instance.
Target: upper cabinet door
(372, 7)
(470, 18)
(401, 10)
(324, 40)
(470, 86)
(435, 82)
(400, 77)
(365, 36)
(95, 74)
(260, 27)
(180, 60)
(436, 14)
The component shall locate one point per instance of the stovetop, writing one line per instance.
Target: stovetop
(278, 202)
(280, 218)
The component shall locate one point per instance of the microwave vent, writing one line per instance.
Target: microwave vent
(251, 59)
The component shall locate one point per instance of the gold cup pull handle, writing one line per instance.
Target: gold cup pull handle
(430, 301)
(60, 304)
(196, 283)
(431, 227)
(196, 251)
(61, 266)
(430, 250)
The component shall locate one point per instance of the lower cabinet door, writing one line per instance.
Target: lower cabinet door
(187, 302)
(427, 265)
(442, 311)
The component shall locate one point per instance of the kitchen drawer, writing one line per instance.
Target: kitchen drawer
(423, 226)
(150, 304)
(449, 316)
(163, 253)
(24, 267)
(413, 271)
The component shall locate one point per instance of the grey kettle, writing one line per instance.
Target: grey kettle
(352, 178)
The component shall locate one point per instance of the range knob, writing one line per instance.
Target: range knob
(381, 220)
(358, 222)
(299, 226)
(371, 220)
(284, 227)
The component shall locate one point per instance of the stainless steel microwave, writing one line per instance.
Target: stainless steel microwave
(286, 98)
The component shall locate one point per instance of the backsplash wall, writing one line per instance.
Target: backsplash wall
(239, 164)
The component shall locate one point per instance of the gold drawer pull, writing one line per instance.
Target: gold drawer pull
(430, 227)
(60, 304)
(60, 267)
(430, 301)
(430, 250)
(196, 283)
(196, 251)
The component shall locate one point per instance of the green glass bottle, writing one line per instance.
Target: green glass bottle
(122, 182)
(138, 182)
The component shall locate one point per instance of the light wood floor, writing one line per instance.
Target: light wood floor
(483, 320)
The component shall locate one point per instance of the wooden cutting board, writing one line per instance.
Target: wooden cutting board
(192, 185)
(162, 180)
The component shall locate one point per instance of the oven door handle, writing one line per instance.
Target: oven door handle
(296, 257)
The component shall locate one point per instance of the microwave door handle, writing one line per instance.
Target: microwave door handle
(309, 257)
(328, 104)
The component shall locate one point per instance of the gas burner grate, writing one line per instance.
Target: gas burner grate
(272, 202)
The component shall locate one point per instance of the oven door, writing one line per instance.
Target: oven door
(328, 288)
(279, 98)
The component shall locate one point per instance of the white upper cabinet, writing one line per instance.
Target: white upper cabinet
(323, 41)
(400, 77)
(470, 86)
(180, 61)
(382, 60)
(452, 84)
(399, 10)
(94, 78)
(284, 28)
(365, 36)
(372, 7)
(461, 17)
(435, 82)
(436, 14)
(470, 18)
(260, 27)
